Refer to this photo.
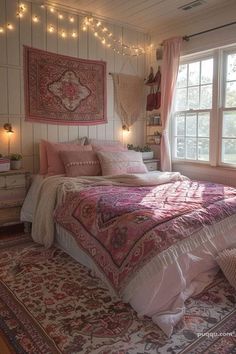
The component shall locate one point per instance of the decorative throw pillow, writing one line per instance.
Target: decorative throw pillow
(55, 165)
(116, 163)
(84, 163)
(227, 262)
(43, 153)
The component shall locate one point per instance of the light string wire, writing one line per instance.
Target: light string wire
(89, 23)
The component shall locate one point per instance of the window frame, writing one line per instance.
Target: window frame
(187, 60)
(219, 56)
(224, 52)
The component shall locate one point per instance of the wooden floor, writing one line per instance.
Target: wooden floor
(6, 231)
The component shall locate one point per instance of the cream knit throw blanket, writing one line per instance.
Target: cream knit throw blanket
(53, 190)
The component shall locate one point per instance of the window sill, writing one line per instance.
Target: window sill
(204, 165)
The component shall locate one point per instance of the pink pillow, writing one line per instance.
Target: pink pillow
(116, 163)
(43, 159)
(109, 147)
(55, 165)
(84, 163)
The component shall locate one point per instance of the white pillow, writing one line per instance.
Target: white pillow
(227, 262)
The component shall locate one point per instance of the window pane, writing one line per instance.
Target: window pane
(229, 124)
(191, 148)
(204, 124)
(182, 76)
(191, 125)
(206, 97)
(229, 150)
(194, 72)
(180, 148)
(231, 67)
(230, 94)
(193, 97)
(181, 99)
(180, 125)
(207, 71)
(203, 149)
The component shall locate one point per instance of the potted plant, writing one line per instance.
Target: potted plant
(16, 161)
(145, 150)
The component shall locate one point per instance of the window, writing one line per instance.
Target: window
(200, 118)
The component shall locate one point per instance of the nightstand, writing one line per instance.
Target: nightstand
(152, 164)
(13, 188)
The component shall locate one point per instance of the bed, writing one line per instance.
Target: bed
(153, 239)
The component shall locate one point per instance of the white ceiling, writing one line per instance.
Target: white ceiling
(147, 15)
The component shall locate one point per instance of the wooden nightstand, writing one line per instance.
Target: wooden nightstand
(13, 188)
(152, 164)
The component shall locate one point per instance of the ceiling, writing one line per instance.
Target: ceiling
(145, 15)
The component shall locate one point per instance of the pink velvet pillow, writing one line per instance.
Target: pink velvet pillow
(122, 162)
(43, 170)
(55, 165)
(84, 163)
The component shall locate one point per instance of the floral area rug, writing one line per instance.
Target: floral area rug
(51, 304)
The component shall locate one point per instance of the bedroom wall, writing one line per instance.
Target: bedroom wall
(222, 37)
(27, 135)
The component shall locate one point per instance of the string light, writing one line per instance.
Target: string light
(107, 38)
(89, 23)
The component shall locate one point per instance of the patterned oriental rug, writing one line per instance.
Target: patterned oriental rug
(51, 304)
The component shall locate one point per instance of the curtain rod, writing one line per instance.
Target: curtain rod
(187, 38)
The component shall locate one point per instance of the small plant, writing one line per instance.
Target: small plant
(145, 148)
(15, 157)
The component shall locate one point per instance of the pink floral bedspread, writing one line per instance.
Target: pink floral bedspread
(123, 228)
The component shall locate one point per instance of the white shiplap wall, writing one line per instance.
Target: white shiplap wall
(27, 135)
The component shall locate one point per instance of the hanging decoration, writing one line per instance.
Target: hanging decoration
(89, 23)
(64, 90)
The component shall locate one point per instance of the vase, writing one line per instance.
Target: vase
(16, 165)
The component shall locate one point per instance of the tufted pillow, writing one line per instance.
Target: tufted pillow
(116, 163)
(55, 165)
(84, 163)
(227, 262)
(43, 152)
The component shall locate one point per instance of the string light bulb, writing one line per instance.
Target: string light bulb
(52, 9)
(71, 19)
(35, 19)
(10, 26)
(51, 28)
(1, 30)
(84, 28)
(60, 16)
(63, 34)
(74, 34)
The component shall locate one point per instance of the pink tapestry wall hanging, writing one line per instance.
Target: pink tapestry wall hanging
(64, 90)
